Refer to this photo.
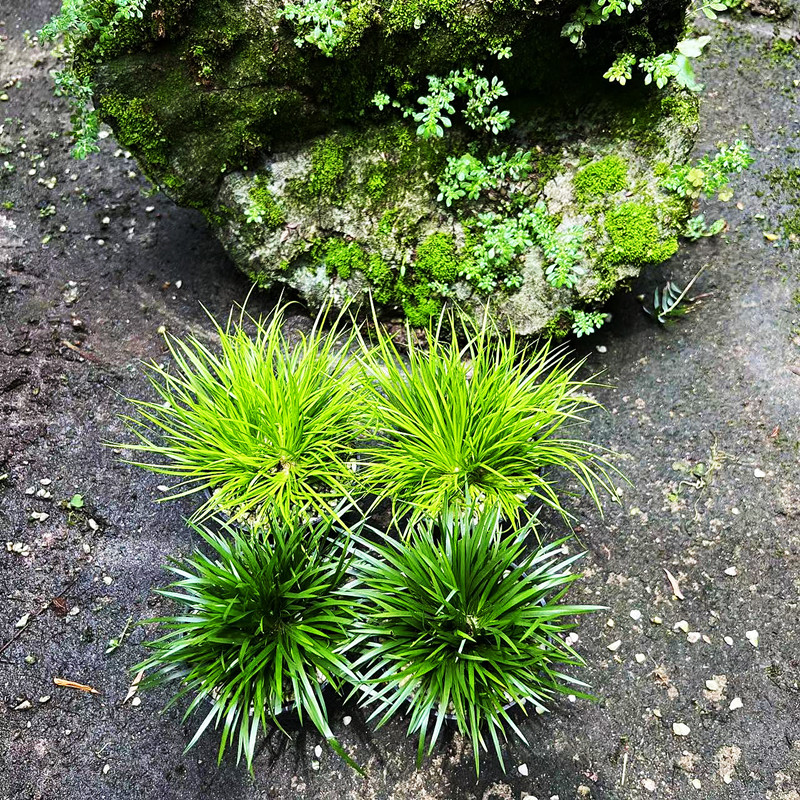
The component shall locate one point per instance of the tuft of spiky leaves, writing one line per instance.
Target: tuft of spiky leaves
(263, 423)
(261, 625)
(486, 419)
(459, 620)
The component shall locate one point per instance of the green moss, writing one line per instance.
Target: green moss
(329, 161)
(437, 258)
(342, 258)
(661, 169)
(601, 178)
(682, 107)
(783, 51)
(559, 327)
(787, 183)
(263, 206)
(418, 303)
(790, 225)
(387, 222)
(381, 279)
(377, 182)
(136, 126)
(635, 237)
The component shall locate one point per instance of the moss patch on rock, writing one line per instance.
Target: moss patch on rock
(437, 258)
(601, 178)
(635, 237)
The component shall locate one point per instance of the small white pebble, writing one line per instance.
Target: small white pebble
(601, 348)
(572, 698)
(696, 783)
(736, 703)
(137, 701)
(636, 615)
(713, 685)
(752, 637)
(318, 751)
(92, 524)
(44, 698)
(106, 769)
(732, 571)
(178, 284)
(656, 620)
(105, 220)
(45, 481)
(86, 548)
(728, 641)
(759, 473)
(693, 637)
(614, 646)
(315, 765)
(74, 611)
(347, 720)
(657, 712)
(640, 658)
(523, 770)
(683, 625)
(649, 784)
(107, 580)
(680, 729)
(150, 208)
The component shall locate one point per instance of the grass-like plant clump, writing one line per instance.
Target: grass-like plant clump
(261, 625)
(486, 419)
(457, 620)
(264, 424)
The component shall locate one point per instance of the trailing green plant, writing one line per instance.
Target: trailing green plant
(467, 176)
(261, 625)
(711, 174)
(487, 420)
(319, 22)
(594, 13)
(77, 22)
(478, 92)
(658, 68)
(262, 208)
(662, 68)
(459, 620)
(697, 228)
(584, 323)
(263, 423)
(501, 240)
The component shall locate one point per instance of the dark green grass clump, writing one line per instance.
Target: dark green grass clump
(457, 619)
(261, 624)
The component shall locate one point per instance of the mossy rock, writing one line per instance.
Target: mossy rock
(308, 183)
(409, 250)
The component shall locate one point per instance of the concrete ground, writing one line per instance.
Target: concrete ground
(91, 266)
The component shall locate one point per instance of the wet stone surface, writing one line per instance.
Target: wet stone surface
(696, 697)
